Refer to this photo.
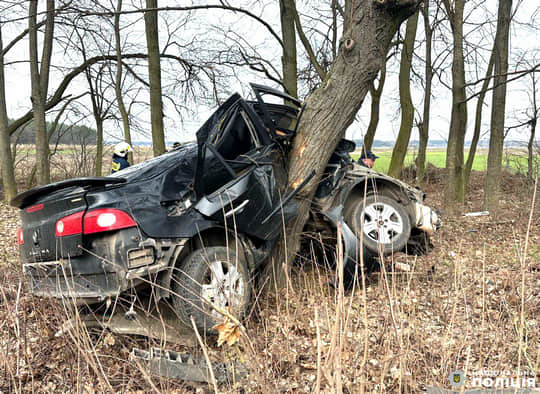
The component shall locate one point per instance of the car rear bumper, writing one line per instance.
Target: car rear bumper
(56, 279)
(63, 279)
(110, 264)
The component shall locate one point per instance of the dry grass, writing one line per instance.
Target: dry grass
(472, 303)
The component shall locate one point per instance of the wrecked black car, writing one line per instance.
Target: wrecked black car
(194, 224)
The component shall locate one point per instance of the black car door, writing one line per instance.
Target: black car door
(240, 181)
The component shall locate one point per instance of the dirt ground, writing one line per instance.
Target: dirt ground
(472, 304)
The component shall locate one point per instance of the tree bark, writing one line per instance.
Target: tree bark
(8, 173)
(368, 29)
(458, 122)
(98, 169)
(405, 99)
(39, 76)
(423, 127)
(154, 77)
(118, 80)
(492, 186)
(375, 93)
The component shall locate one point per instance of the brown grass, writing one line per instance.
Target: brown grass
(472, 303)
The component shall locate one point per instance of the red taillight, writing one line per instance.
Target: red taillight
(106, 220)
(69, 225)
(20, 236)
(93, 222)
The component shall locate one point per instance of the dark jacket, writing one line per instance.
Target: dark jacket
(118, 163)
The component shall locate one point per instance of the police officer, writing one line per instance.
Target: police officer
(119, 161)
(367, 159)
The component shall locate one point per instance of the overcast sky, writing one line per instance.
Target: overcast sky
(523, 40)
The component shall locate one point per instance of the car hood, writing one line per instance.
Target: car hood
(362, 171)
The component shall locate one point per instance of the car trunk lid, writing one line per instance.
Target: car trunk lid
(42, 207)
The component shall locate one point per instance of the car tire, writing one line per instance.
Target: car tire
(384, 223)
(210, 277)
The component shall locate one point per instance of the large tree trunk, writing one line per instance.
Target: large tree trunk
(423, 127)
(492, 187)
(154, 77)
(458, 122)
(288, 60)
(333, 106)
(39, 77)
(405, 99)
(477, 123)
(118, 80)
(8, 173)
(375, 93)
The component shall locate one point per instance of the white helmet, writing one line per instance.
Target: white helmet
(122, 148)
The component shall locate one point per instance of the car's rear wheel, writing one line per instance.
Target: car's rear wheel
(210, 280)
(383, 222)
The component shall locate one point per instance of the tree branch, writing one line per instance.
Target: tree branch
(57, 97)
(194, 8)
(18, 38)
(307, 45)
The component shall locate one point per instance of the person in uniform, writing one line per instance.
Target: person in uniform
(367, 159)
(119, 158)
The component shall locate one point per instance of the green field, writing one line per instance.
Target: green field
(512, 161)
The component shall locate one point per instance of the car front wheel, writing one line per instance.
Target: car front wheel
(208, 281)
(383, 222)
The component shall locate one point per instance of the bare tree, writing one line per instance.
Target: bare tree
(375, 94)
(288, 59)
(496, 140)
(118, 80)
(100, 109)
(8, 174)
(39, 76)
(458, 121)
(405, 99)
(154, 76)
(423, 125)
(534, 114)
(477, 122)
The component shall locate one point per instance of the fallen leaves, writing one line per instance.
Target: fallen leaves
(229, 332)
(109, 339)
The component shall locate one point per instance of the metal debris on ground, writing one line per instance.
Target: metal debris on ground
(475, 214)
(170, 364)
